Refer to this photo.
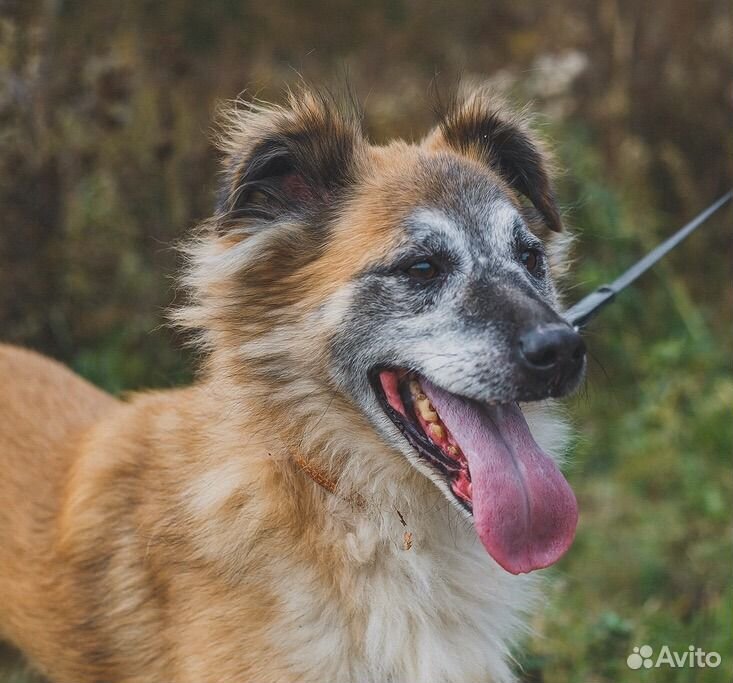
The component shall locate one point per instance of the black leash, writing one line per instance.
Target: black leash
(581, 313)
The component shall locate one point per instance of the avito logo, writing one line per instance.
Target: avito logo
(643, 657)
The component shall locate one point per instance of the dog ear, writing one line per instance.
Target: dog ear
(286, 162)
(482, 127)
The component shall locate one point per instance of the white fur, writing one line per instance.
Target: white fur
(437, 613)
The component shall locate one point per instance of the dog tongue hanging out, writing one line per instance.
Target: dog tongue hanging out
(381, 330)
(523, 509)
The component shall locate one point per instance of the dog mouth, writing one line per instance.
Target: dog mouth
(523, 509)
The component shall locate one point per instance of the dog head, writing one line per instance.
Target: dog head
(410, 284)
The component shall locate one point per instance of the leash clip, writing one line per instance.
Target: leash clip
(579, 314)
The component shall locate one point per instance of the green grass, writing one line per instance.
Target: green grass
(650, 465)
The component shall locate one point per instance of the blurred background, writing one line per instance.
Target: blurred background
(106, 164)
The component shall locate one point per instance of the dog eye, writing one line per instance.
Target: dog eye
(423, 270)
(531, 260)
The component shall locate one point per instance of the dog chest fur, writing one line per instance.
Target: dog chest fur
(424, 614)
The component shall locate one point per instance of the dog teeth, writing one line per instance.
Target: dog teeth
(426, 410)
(437, 432)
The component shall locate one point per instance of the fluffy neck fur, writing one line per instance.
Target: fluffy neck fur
(361, 605)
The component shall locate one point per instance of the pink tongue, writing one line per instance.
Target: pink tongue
(523, 509)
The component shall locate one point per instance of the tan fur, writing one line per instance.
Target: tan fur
(172, 536)
(79, 493)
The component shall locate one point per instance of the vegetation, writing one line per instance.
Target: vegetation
(105, 165)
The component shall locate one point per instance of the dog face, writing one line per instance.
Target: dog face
(412, 280)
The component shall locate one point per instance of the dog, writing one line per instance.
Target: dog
(351, 491)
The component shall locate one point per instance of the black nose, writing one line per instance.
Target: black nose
(555, 348)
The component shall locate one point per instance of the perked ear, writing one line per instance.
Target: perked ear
(285, 162)
(484, 128)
